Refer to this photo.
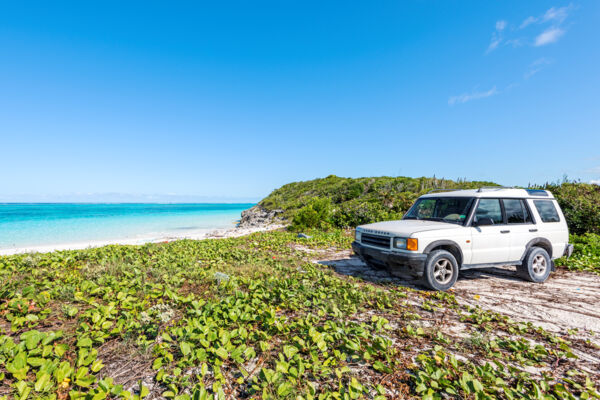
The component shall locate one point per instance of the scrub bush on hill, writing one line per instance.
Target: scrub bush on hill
(580, 203)
(358, 201)
(316, 214)
(365, 200)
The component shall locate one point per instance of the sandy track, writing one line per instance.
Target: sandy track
(567, 301)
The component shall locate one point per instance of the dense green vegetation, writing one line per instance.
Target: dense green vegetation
(364, 200)
(356, 201)
(580, 203)
(253, 317)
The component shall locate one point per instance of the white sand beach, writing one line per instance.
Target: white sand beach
(195, 235)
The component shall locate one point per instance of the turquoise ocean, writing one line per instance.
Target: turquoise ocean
(30, 225)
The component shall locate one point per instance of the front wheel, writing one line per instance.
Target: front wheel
(536, 266)
(441, 270)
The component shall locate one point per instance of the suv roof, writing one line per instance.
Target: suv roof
(494, 192)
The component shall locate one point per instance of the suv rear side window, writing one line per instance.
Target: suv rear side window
(516, 211)
(547, 210)
(489, 208)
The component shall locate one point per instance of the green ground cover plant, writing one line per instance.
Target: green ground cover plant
(586, 254)
(254, 317)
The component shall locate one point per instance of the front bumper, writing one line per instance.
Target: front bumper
(397, 263)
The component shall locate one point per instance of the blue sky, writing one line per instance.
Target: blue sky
(234, 99)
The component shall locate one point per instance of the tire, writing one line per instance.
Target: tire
(536, 266)
(441, 270)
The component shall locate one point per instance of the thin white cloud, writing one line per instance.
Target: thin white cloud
(497, 35)
(553, 14)
(550, 35)
(557, 14)
(465, 97)
(528, 21)
(553, 18)
(537, 66)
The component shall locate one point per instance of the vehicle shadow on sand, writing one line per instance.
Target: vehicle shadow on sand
(354, 266)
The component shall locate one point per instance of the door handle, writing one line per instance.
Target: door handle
(504, 231)
(533, 230)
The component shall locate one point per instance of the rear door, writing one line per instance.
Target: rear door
(552, 224)
(521, 227)
(490, 243)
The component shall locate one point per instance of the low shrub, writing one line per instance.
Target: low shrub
(580, 203)
(316, 214)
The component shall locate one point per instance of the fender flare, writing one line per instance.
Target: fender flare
(535, 241)
(445, 242)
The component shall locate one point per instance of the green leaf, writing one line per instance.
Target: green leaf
(284, 389)
(379, 366)
(71, 311)
(84, 342)
(186, 348)
(31, 338)
(97, 366)
(221, 352)
(43, 383)
(144, 391)
(289, 351)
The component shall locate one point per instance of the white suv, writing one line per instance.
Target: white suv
(446, 232)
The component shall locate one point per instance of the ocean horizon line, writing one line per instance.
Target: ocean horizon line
(125, 202)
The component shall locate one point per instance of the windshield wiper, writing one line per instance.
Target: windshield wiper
(438, 219)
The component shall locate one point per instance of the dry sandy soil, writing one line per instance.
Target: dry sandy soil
(568, 300)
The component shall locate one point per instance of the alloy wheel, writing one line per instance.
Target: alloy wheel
(539, 265)
(442, 271)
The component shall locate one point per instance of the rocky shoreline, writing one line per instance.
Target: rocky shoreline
(258, 217)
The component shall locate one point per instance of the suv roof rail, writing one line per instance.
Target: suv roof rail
(442, 190)
(496, 188)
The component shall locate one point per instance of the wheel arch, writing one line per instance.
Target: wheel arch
(538, 242)
(448, 245)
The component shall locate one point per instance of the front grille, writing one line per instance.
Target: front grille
(375, 240)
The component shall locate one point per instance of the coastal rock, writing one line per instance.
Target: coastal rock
(258, 216)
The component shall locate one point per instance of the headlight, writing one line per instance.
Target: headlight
(357, 235)
(400, 243)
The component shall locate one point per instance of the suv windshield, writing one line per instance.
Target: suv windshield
(444, 209)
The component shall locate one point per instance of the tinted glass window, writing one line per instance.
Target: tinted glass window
(516, 211)
(489, 208)
(547, 210)
(446, 209)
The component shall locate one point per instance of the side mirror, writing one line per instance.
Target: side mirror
(483, 221)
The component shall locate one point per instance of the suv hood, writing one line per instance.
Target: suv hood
(405, 227)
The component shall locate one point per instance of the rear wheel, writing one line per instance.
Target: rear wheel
(441, 270)
(536, 266)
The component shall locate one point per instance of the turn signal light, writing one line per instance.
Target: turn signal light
(412, 244)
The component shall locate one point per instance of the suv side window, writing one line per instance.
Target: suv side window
(516, 211)
(547, 210)
(489, 208)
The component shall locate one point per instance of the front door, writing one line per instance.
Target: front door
(490, 243)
